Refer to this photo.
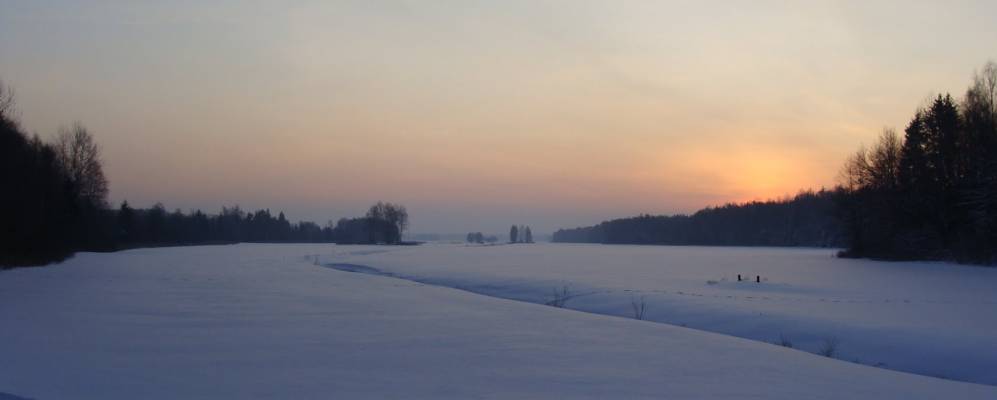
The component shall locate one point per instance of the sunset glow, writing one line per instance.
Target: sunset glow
(480, 114)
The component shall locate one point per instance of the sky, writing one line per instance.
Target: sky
(477, 115)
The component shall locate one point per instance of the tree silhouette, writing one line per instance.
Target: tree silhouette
(945, 202)
(386, 222)
(126, 222)
(7, 104)
(79, 155)
(39, 211)
(56, 204)
(929, 195)
(475, 237)
(805, 220)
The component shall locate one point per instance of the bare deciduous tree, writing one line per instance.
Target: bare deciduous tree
(397, 215)
(885, 159)
(877, 168)
(982, 95)
(79, 155)
(6, 102)
(853, 173)
(384, 217)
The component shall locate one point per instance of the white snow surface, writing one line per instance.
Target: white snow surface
(264, 321)
(935, 319)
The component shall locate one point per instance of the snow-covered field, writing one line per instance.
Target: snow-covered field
(933, 319)
(264, 321)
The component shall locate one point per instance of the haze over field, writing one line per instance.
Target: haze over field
(476, 115)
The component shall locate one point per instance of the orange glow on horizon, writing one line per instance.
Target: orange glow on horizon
(568, 115)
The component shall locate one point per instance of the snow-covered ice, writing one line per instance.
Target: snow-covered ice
(933, 319)
(264, 321)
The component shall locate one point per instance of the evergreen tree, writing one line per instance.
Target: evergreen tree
(126, 222)
(943, 149)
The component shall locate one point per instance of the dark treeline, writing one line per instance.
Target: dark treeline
(55, 203)
(480, 238)
(932, 193)
(517, 234)
(520, 234)
(53, 200)
(155, 226)
(805, 220)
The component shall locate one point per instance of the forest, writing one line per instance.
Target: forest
(929, 194)
(56, 204)
(808, 219)
(383, 223)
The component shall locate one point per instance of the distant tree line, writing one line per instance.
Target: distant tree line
(520, 234)
(157, 227)
(384, 223)
(804, 220)
(932, 193)
(478, 237)
(55, 203)
(517, 234)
